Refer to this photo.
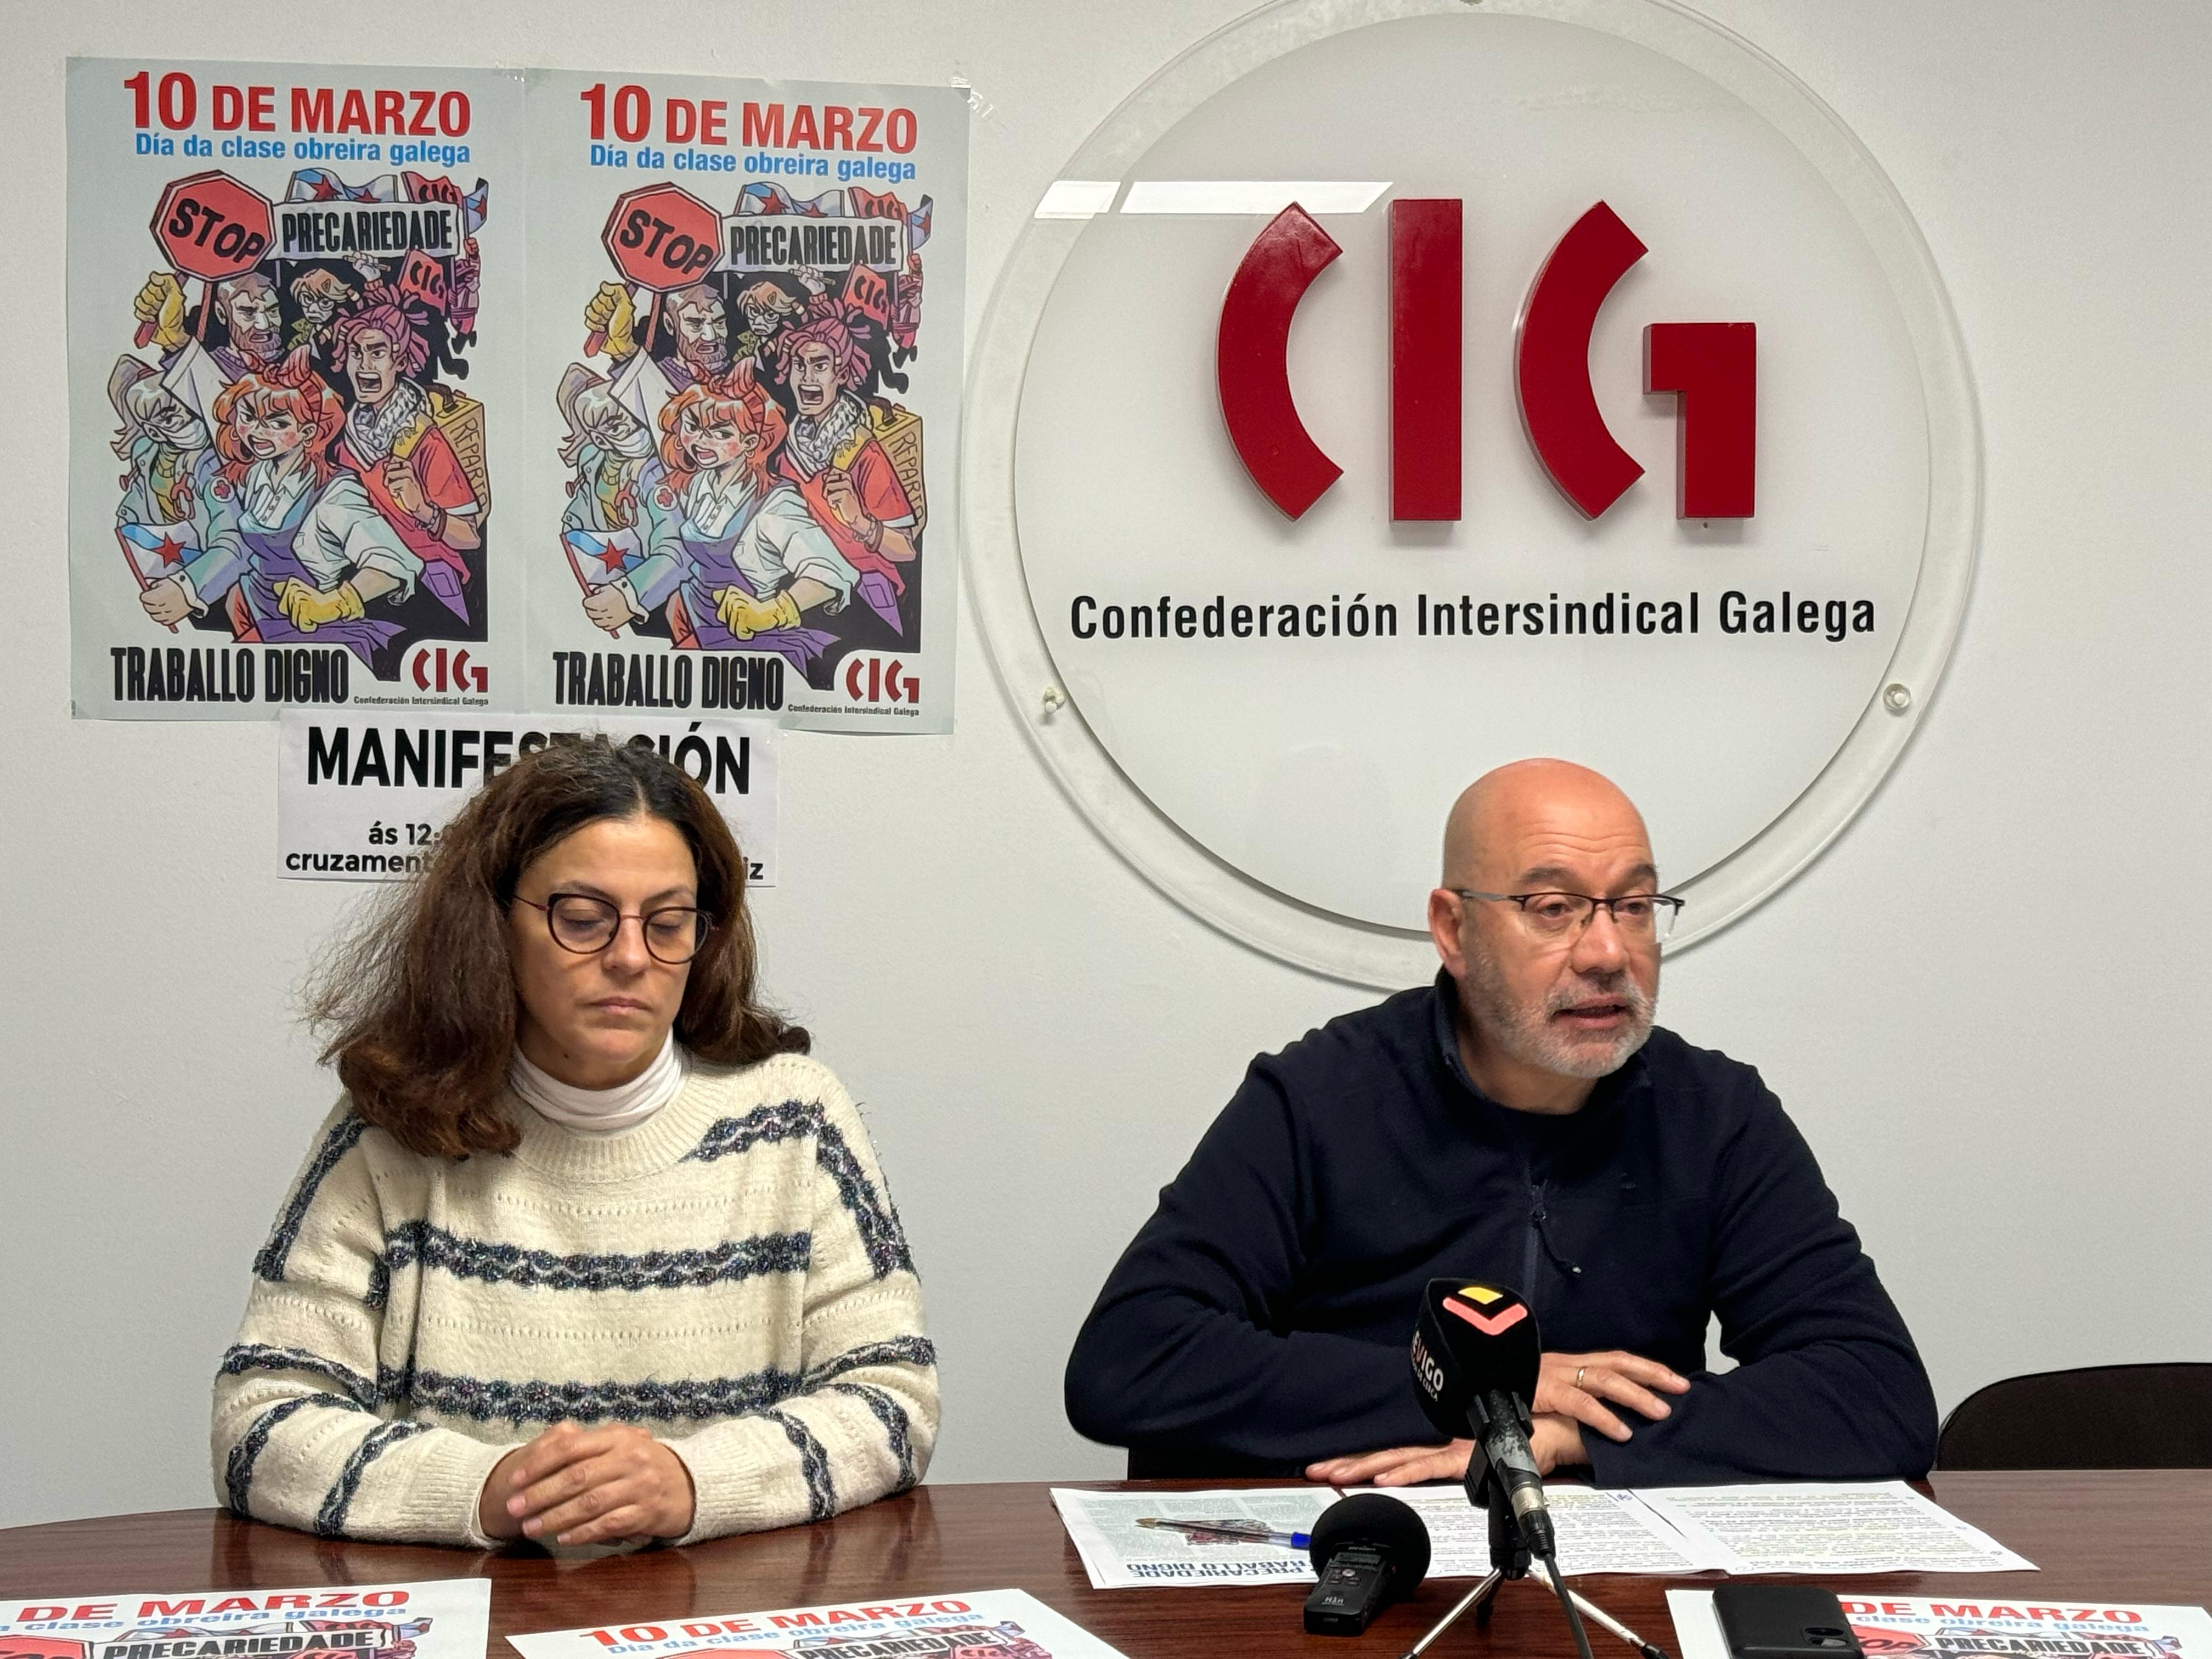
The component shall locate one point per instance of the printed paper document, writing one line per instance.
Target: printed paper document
(1880, 1526)
(1119, 1554)
(1609, 1531)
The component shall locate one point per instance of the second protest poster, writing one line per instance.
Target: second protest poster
(746, 314)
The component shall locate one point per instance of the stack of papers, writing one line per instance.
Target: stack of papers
(1812, 1528)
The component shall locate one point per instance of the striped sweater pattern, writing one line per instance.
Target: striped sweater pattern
(730, 1275)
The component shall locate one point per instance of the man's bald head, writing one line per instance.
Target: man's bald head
(1553, 992)
(1503, 823)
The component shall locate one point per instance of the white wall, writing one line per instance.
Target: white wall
(1985, 1006)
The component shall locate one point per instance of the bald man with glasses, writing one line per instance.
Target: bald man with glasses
(1520, 1119)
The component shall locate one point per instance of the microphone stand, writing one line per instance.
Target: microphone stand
(1508, 1551)
(1508, 1559)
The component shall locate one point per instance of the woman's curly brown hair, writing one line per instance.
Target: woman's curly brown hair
(419, 999)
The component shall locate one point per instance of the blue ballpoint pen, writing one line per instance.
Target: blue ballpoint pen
(1240, 1532)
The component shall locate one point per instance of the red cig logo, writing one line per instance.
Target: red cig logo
(434, 671)
(880, 679)
(1712, 367)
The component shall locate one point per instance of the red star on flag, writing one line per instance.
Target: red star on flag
(325, 191)
(170, 550)
(610, 556)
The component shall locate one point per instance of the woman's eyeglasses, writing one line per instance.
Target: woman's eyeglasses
(587, 925)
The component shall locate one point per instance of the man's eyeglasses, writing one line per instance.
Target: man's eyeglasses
(587, 925)
(1562, 915)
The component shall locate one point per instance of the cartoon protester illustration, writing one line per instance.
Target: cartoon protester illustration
(311, 552)
(395, 438)
(906, 310)
(174, 503)
(1017, 1648)
(766, 309)
(732, 551)
(320, 294)
(300, 462)
(701, 331)
(247, 306)
(835, 457)
(773, 506)
(617, 472)
(465, 290)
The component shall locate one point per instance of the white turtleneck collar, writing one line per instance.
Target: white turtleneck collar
(600, 1111)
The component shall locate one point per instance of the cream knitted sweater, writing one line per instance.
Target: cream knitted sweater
(730, 1274)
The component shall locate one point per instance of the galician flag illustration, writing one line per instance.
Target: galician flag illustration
(599, 557)
(156, 550)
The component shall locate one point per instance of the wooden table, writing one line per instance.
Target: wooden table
(2100, 1537)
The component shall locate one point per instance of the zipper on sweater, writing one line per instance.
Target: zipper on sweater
(1536, 1238)
(1540, 1238)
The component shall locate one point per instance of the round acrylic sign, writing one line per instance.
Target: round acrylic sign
(1387, 393)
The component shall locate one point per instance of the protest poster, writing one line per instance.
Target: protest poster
(296, 343)
(1002, 1623)
(1980, 1626)
(443, 1618)
(743, 405)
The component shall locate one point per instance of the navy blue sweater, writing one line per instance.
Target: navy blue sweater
(1261, 1319)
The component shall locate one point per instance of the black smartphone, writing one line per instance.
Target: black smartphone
(1784, 1621)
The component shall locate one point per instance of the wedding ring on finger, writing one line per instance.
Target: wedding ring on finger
(1579, 1369)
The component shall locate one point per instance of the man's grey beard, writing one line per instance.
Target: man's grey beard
(1526, 1035)
(709, 358)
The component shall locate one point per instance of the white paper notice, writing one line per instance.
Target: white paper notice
(1882, 1526)
(363, 797)
(1609, 1531)
(1119, 1554)
(1910, 1627)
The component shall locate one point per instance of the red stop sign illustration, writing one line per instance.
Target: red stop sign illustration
(212, 227)
(662, 237)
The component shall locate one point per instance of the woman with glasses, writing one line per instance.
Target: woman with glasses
(589, 1252)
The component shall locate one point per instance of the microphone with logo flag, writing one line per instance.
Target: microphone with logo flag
(1476, 1358)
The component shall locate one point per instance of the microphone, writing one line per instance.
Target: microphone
(1370, 1551)
(1476, 1356)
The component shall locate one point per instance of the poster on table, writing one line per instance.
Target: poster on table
(746, 306)
(1002, 1623)
(1979, 1625)
(445, 1619)
(296, 354)
(364, 796)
